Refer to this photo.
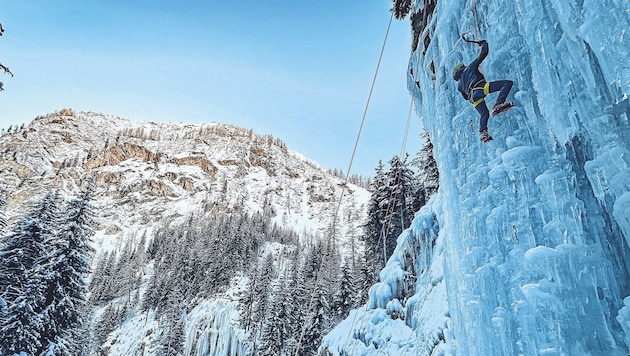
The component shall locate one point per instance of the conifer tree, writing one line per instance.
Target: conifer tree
(296, 298)
(21, 248)
(111, 318)
(275, 329)
(316, 323)
(262, 291)
(401, 8)
(64, 269)
(345, 295)
(390, 211)
(399, 203)
(171, 342)
(428, 176)
(247, 300)
(103, 284)
(21, 329)
(329, 281)
(23, 280)
(363, 282)
(320, 261)
(374, 228)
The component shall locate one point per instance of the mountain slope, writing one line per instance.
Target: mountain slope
(524, 250)
(149, 173)
(178, 182)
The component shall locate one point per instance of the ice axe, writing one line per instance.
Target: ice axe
(469, 40)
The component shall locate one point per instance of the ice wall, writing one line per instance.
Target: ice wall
(532, 251)
(211, 329)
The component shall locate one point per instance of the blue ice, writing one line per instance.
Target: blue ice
(524, 249)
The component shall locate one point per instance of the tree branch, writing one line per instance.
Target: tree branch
(6, 70)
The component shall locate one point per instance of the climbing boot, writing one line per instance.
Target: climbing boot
(484, 136)
(501, 107)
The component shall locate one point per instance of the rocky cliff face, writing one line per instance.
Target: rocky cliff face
(150, 174)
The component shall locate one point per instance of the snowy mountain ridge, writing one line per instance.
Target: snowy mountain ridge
(150, 177)
(148, 173)
(524, 250)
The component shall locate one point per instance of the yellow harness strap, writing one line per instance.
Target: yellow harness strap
(486, 91)
(479, 101)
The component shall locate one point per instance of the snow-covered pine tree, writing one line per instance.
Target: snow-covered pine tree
(64, 269)
(329, 280)
(151, 296)
(352, 219)
(295, 301)
(345, 295)
(262, 292)
(171, 340)
(23, 281)
(247, 300)
(373, 236)
(427, 173)
(312, 262)
(320, 265)
(317, 323)
(275, 330)
(97, 280)
(108, 321)
(128, 270)
(20, 331)
(103, 284)
(137, 262)
(399, 203)
(363, 281)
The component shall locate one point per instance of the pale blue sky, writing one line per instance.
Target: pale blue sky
(298, 70)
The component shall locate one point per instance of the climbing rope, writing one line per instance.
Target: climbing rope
(385, 232)
(403, 148)
(343, 189)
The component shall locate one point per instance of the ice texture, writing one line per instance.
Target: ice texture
(524, 249)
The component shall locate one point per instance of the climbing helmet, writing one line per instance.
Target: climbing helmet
(456, 69)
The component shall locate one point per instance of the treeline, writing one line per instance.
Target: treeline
(191, 261)
(397, 193)
(294, 290)
(13, 129)
(289, 307)
(355, 179)
(43, 262)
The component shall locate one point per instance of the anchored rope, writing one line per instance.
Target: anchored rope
(343, 189)
(403, 149)
(384, 232)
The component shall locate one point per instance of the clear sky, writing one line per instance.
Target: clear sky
(298, 70)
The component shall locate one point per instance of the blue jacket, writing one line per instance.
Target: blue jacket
(471, 74)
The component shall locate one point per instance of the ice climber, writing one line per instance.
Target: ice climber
(474, 88)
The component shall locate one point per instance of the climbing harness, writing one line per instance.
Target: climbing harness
(486, 90)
